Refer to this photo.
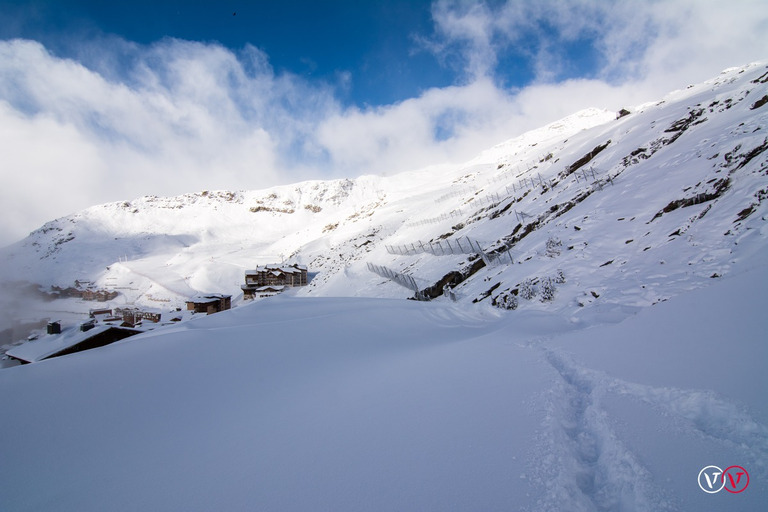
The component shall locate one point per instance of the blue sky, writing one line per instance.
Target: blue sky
(376, 53)
(115, 100)
(373, 43)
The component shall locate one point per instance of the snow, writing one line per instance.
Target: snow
(646, 366)
(374, 404)
(50, 344)
(168, 250)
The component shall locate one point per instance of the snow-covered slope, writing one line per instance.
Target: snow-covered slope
(345, 404)
(634, 210)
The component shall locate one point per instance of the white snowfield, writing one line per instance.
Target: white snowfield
(343, 404)
(606, 344)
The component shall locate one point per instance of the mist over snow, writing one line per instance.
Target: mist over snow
(115, 119)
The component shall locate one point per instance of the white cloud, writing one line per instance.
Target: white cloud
(186, 116)
(44, 163)
(469, 25)
(645, 41)
(177, 116)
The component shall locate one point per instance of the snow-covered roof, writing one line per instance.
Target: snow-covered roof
(288, 269)
(47, 345)
(277, 288)
(210, 297)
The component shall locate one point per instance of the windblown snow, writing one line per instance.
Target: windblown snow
(593, 333)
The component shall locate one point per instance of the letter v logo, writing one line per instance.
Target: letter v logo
(710, 479)
(711, 482)
(735, 483)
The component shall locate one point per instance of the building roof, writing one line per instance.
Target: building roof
(288, 269)
(48, 345)
(276, 288)
(211, 297)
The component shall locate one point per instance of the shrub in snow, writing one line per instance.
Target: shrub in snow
(506, 301)
(553, 247)
(559, 277)
(548, 289)
(528, 289)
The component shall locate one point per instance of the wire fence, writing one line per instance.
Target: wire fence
(401, 279)
(521, 216)
(455, 193)
(529, 183)
(498, 258)
(587, 175)
(488, 198)
(439, 248)
(461, 245)
(435, 220)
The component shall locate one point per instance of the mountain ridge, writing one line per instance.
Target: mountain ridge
(619, 210)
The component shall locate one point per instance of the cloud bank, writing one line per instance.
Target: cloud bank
(127, 120)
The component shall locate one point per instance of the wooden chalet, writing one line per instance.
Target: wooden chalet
(274, 277)
(131, 317)
(209, 304)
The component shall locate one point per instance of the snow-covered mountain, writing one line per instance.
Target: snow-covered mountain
(584, 398)
(627, 209)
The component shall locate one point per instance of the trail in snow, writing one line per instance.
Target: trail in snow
(589, 466)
